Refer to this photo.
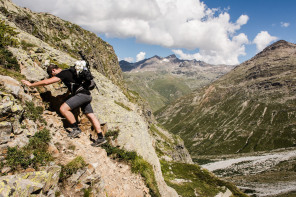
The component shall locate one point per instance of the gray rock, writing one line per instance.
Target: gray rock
(33, 72)
(6, 104)
(5, 131)
(17, 126)
(27, 183)
(11, 85)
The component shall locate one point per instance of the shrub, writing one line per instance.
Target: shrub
(112, 134)
(72, 167)
(7, 34)
(34, 112)
(12, 73)
(26, 45)
(34, 154)
(8, 60)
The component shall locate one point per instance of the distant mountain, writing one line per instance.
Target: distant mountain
(172, 64)
(162, 80)
(252, 108)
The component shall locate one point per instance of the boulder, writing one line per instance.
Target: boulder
(8, 106)
(5, 132)
(33, 72)
(28, 183)
(10, 85)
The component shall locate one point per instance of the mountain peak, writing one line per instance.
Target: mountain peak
(281, 44)
(280, 47)
(173, 56)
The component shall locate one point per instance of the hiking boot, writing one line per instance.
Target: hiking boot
(74, 133)
(99, 142)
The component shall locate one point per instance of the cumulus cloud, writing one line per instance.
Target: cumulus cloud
(141, 56)
(174, 24)
(263, 39)
(284, 24)
(129, 59)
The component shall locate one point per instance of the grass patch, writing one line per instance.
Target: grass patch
(7, 35)
(26, 45)
(137, 163)
(34, 112)
(60, 65)
(72, 167)
(112, 134)
(34, 154)
(7, 60)
(11, 73)
(122, 105)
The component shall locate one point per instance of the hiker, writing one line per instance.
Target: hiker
(81, 97)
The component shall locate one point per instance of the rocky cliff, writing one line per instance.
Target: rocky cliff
(37, 157)
(66, 37)
(252, 108)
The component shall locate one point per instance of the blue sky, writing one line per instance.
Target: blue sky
(214, 31)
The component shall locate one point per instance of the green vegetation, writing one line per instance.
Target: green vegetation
(194, 180)
(72, 167)
(158, 89)
(34, 154)
(7, 60)
(12, 73)
(238, 123)
(112, 134)
(7, 35)
(137, 163)
(34, 112)
(87, 192)
(122, 105)
(60, 65)
(25, 45)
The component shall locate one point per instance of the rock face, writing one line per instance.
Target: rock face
(66, 37)
(28, 183)
(252, 108)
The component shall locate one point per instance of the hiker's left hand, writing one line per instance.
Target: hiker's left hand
(27, 83)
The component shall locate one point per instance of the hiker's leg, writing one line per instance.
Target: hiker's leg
(72, 103)
(97, 126)
(95, 122)
(66, 112)
(88, 111)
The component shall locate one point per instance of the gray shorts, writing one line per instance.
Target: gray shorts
(80, 100)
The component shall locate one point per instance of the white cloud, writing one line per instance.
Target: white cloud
(263, 39)
(141, 56)
(170, 23)
(284, 24)
(129, 59)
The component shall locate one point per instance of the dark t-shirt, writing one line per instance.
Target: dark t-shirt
(72, 83)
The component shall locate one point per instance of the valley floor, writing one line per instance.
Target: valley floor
(259, 174)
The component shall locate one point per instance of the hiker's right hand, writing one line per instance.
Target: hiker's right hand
(27, 83)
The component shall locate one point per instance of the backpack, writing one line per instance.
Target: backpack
(83, 76)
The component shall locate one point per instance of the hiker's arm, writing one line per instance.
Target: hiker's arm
(42, 83)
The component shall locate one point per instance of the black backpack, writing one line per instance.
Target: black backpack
(83, 76)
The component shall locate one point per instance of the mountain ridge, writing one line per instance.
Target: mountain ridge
(161, 80)
(243, 110)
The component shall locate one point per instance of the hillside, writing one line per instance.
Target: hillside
(252, 108)
(36, 156)
(162, 80)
